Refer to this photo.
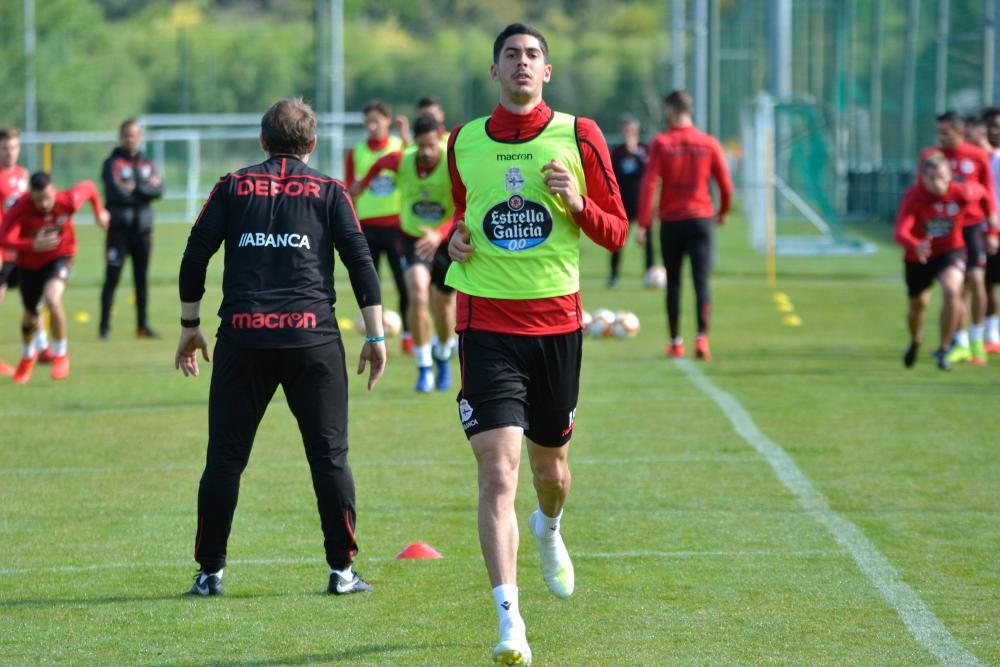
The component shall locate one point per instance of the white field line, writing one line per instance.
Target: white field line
(925, 627)
(238, 562)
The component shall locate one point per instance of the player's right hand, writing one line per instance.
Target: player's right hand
(923, 251)
(186, 359)
(460, 246)
(641, 233)
(45, 240)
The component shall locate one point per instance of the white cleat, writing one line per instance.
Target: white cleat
(557, 568)
(512, 652)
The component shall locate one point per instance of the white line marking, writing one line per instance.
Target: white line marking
(236, 562)
(925, 627)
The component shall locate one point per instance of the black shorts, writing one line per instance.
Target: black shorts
(919, 277)
(527, 381)
(975, 245)
(438, 265)
(993, 269)
(9, 275)
(33, 281)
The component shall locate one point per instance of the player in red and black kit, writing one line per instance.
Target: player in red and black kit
(379, 217)
(13, 184)
(682, 160)
(280, 222)
(929, 226)
(969, 163)
(131, 184)
(39, 227)
(521, 356)
(628, 159)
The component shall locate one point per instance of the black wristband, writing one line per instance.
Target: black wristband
(191, 324)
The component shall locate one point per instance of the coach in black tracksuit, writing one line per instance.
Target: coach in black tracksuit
(131, 184)
(280, 222)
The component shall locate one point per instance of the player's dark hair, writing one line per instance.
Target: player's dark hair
(425, 123)
(9, 133)
(289, 126)
(518, 29)
(126, 124)
(989, 113)
(974, 121)
(378, 106)
(952, 119)
(934, 160)
(679, 101)
(429, 101)
(39, 181)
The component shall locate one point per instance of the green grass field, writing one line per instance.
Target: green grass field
(688, 547)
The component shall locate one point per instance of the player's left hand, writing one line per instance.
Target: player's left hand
(560, 182)
(374, 354)
(720, 220)
(427, 245)
(103, 219)
(186, 359)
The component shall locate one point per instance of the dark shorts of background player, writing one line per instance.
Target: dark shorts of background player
(244, 380)
(33, 281)
(527, 381)
(975, 245)
(920, 277)
(438, 265)
(993, 269)
(9, 275)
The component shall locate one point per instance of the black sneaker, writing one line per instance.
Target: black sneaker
(910, 357)
(941, 356)
(146, 332)
(207, 584)
(340, 586)
(613, 282)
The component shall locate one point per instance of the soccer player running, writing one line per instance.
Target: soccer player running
(991, 121)
(280, 221)
(969, 163)
(526, 181)
(39, 228)
(425, 214)
(629, 161)
(929, 226)
(131, 184)
(378, 206)
(13, 184)
(681, 161)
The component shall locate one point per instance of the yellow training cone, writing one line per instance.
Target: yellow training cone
(792, 321)
(81, 317)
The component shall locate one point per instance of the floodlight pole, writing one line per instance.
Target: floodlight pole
(677, 33)
(700, 29)
(30, 105)
(941, 66)
(337, 84)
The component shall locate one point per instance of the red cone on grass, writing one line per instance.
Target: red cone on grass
(418, 550)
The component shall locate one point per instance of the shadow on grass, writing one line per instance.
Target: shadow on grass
(382, 652)
(125, 599)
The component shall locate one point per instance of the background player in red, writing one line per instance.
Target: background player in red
(968, 163)
(929, 226)
(683, 160)
(13, 184)
(39, 226)
(991, 122)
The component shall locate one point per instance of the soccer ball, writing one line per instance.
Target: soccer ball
(392, 323)
(600, 323)
(626, 324)
(656, 278)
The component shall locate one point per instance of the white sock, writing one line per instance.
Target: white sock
(962, 338)
(218, 574)
(423, 355)
(442, 351)
(505, 596)
(993, 329)
(59, 347)
(41, 339)
(677, 340)
(548, 524)
(346, 574)
(976, 331)
(28, 349)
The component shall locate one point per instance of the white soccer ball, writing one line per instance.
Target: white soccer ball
(600, 323)
(392, 323)
(626, 324)
(656, 278)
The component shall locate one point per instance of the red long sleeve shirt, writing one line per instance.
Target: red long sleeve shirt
(23, 221)
(602, 220)
(682, 160)
(13, 184)
(924, 215)
(968, 163)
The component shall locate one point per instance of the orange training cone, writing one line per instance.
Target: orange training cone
(418, 550)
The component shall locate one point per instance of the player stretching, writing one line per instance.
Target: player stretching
(39, 227)
(526, 181)
(682, 160)
(929, 226)
(425, 189)
(968, 163)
